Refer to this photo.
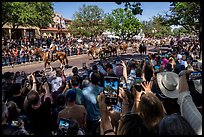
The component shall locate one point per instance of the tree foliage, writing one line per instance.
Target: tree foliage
(88, 21)
(27, 13)
(186, 14)
(147, 27)
(157, 23)
(162, 28)
(180, 31)
(133, 6)
(122, 22)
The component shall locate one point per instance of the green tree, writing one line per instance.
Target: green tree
(180, 31)
(38, 14)
(133, 6)
(6, 12)
(147, 27)
(163, 29)
(185, 14)
(88, 21)
(122, 22)
(156, 23)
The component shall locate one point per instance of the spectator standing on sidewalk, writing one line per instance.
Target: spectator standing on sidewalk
(22, 55)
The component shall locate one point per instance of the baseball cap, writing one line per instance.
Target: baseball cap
(71, 95)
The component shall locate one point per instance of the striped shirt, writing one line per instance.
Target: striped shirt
(190, 112)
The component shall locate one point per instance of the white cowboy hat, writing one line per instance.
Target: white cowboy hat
(169, 84)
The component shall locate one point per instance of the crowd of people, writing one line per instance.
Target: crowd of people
(160, 94)
(20, 51)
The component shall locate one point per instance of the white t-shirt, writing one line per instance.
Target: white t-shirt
(56, 84)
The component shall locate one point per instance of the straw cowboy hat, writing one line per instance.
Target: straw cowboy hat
(169, 84)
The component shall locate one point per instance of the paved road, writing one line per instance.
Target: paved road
(31, 67)
(73, 61)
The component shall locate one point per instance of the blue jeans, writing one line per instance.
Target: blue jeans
(7, 61)
(22, 59)
(3, 61)
(26, 59)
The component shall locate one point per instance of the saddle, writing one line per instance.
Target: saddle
(52, 56)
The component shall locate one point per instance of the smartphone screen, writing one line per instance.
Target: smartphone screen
(138, 80)
(63, 124)
(157, 68)
(111, 90)
(195, 75)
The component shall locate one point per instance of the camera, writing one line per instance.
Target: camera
(111, 90)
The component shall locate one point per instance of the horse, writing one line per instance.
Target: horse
(123, 47)
(114, 49)
(106, 52)
(142, 49)
(94, 51)
(135, 47)
(59, 55)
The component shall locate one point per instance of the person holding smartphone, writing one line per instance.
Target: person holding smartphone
(111, 90)
(38, 109)
(89, 96)
(73, 110)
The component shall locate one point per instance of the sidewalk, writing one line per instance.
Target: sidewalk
(31, 63)
(23, 64)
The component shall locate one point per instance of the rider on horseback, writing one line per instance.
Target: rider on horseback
(53, 48)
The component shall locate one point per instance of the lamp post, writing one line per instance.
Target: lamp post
(60, 27)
